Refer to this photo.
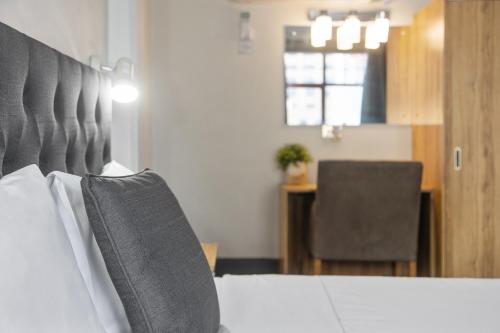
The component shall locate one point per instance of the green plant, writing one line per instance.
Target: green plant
(292, 154)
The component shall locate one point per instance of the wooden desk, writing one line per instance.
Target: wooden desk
(285, 235)
(210, 250)
(294, 257)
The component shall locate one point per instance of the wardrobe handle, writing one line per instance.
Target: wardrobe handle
(457, 158)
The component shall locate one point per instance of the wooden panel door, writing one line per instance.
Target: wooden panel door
(472, 122)
(399, 109)
(415, 69)
(426, 66)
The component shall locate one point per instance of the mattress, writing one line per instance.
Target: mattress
(283, 303)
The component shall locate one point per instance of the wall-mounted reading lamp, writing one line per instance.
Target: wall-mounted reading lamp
(124, 88)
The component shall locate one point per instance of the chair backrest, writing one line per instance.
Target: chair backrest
(367, 211)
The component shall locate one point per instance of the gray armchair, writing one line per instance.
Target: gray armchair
(366, 211)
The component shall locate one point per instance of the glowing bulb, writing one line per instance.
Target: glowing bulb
(344, 41)
(353, 26)
(317, 38)
(383, 26)
(325, 25)
(372, 41)
(124, 92)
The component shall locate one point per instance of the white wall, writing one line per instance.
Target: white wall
(218, 118)
(123, 42)
(74, 27)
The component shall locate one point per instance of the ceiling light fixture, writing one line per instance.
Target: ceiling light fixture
(317, 38)
(353, 26)
(349, 28)
(344, 40)
(383, 26)
(372, 41)
(325, 25)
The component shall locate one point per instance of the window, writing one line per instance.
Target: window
(324, 88)
(329, 86)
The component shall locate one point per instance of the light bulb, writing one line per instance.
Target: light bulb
(372, 41)
(325, 24)
(124, 92)
(317, 38)
(353, 26)
(344, 41)
(383, 26)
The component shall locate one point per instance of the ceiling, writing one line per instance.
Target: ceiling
(402, 11)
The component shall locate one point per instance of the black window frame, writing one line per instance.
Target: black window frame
(322, 86)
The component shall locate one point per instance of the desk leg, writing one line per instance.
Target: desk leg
(432, 237)
(284, 232)
(317, 266)
(412, 268)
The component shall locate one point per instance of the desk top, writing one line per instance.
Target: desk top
(299, 188)
(312, 187)
(210, 250)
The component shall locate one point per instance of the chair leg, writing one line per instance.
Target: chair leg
(317, 266)
(398, 269)
(412, 268)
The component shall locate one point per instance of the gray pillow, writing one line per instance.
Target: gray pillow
(152, 254)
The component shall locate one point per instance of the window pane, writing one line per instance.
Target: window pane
(346, 68)
(303, 106)
(343, 105)
(304, 68)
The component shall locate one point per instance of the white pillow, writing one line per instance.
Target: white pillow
(115, 169)
(41, 288)
(68, 196)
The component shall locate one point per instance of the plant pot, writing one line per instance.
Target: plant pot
(297, 173)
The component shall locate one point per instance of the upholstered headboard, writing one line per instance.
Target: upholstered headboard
(54, 111)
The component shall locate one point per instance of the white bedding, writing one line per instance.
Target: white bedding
(272, 303)
(41, 287)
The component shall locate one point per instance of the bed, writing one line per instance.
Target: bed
(293, 304)
(56, 113)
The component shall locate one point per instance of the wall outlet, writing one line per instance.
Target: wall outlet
(331, 132)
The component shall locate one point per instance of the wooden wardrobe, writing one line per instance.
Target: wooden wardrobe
(444, 80)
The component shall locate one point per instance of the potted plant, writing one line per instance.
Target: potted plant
(292, 159)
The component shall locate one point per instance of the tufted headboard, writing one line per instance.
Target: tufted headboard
(54, 110)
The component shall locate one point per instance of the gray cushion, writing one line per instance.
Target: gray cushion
(152, 254)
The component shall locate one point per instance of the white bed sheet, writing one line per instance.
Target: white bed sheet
(395, 305)
(273, 303)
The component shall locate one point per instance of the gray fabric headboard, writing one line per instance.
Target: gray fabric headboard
(54, 111)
